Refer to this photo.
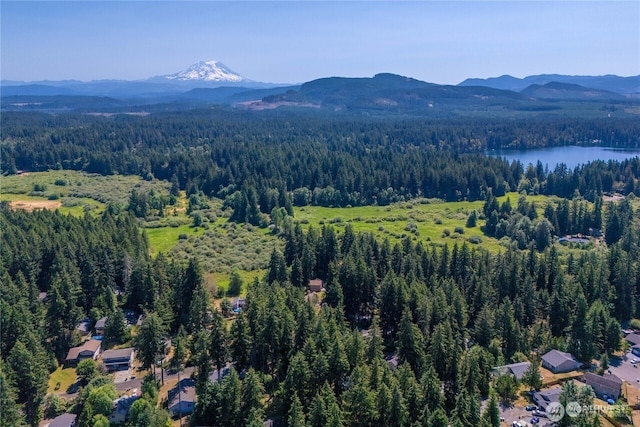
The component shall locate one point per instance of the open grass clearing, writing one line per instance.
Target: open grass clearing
(429, 221)
(61, 379)
(78, 185)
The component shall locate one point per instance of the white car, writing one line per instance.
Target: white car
(634, 361)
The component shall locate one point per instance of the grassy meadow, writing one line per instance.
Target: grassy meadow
(221, 246)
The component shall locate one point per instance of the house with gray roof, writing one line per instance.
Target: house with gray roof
(121, 407)
(182, 399)
(558, 361)
(633, 339)
(544, 398)
(64, 420)
(116, 360)
(606, 386)
(515, 369)
(100, 325)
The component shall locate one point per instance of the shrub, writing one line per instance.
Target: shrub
(60, 182)
(446, 232)
(475, 240)
(53, 197)
(472, 219)
(458, 230)
(438, 221)
(182, 236)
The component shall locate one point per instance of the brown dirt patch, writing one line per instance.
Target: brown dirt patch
(31, 205)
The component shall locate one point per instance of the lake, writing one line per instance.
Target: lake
(571, 155)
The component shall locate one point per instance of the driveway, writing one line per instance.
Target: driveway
(625, 370)
(513, 413)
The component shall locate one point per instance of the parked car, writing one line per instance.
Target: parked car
(535, 420)
(540, 414)
(531, 407)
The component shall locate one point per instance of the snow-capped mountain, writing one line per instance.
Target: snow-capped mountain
(210, 71)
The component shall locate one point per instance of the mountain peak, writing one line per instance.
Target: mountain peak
(207, 71)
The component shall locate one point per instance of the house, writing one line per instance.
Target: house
(558, 361)
(100, 325)
(595, 232)
(89, 349)
(315, 285)
(213, 376)
(636, 350)
(544, 398)
(64, 420)
(573, 239)
(84, 327)
(121, 407)
(606, 386)
(515, 369)
(116, 360)
(633, 339)
(182, 399)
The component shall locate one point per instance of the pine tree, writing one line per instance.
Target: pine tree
(218, 350)
(115, 329)
(179, 349)
(10, 412)
(296, 416)
(30, 376)
(531, 376)
(150, 341)
(241, 342)
(359, 400)
(410, 343)
(492, 413)
(231, 401)
(252, 392)
(200, 357)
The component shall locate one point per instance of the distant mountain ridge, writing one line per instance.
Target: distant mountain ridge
(612, 83)
(570, 92)
(209, 71)
(213, 83)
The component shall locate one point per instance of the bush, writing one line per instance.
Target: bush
(476, 240)
(446, 232)
(438, 221)
(634, 324)
(60, 182)
(53, 197)
(458, 230)
(182, 236)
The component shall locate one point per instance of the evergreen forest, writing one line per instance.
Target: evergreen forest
(403, 334)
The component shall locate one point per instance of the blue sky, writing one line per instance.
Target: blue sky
(296, 41)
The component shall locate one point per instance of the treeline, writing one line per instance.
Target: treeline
(319, 161)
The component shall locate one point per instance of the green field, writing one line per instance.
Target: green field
(221, 246)
(428, 221)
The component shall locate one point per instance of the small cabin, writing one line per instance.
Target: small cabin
(315, 285)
